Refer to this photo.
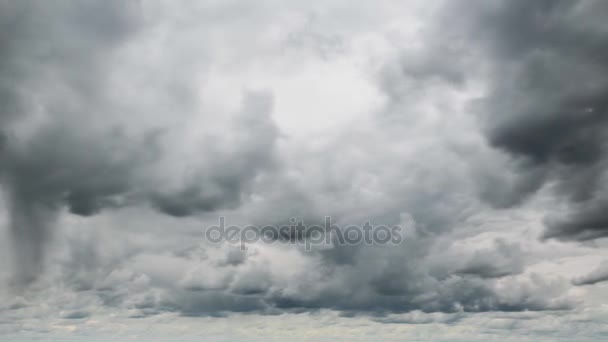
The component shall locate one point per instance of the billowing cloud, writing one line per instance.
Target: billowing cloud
(127, 128)
(69, 141)
(546, 106)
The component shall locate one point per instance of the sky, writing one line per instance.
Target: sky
(129, 129)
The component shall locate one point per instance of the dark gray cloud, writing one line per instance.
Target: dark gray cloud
(59, 47)
(66, 139)
(547, 105)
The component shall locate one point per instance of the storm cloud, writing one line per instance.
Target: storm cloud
(547, 104)
(68, 141)
(127, 128)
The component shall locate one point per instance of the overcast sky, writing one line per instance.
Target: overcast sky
(480, 127)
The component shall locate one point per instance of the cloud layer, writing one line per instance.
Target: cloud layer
(127, 128)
